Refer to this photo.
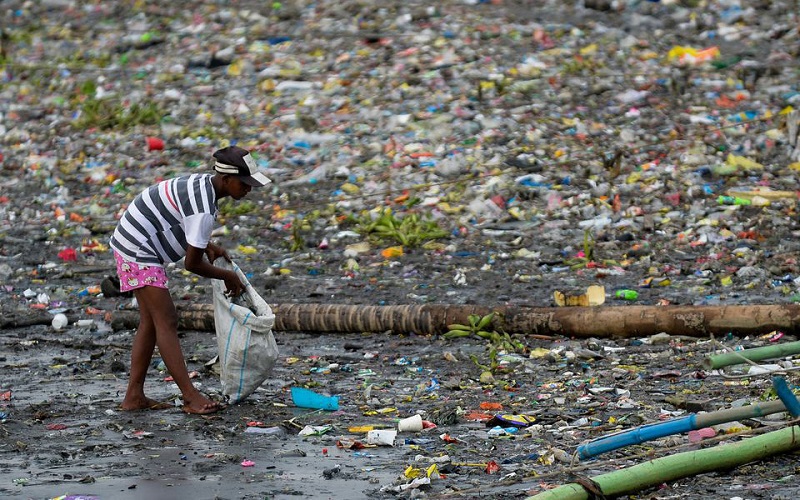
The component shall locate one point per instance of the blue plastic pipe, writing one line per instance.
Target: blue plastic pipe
(786, 395)
(637, 435)
(688, 423)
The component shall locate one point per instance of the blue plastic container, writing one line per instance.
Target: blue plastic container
(305, 398)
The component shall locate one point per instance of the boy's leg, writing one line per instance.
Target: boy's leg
(164, 318)
(141, 353)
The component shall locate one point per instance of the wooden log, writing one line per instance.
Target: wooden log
(24, 319)
(581, 322)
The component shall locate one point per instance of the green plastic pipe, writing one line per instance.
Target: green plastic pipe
(681, 465)
(738, 413)
(757, 354)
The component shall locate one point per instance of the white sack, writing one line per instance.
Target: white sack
(247, 348)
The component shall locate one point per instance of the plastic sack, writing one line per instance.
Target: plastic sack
(247, 348)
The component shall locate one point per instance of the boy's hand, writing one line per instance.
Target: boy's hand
(233, 285)
(195, 263)
(214, 251)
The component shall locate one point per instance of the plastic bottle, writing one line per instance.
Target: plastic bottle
(627, 294)
(733, 200)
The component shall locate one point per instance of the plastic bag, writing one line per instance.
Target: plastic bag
(247, 348)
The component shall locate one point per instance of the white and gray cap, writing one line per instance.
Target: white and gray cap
(234, 160)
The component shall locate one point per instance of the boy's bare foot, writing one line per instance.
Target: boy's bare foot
(144, 403)
(201, 406)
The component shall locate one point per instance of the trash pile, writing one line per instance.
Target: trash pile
(463, 152)
(564, 139)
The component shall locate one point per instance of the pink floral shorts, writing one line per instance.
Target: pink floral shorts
(133, 276)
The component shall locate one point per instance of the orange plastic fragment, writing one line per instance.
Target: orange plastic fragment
(725, 102)
(477, 416)
(392, 252)
(486, 405)
(403, 197)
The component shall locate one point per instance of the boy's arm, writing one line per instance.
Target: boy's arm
(195, 263)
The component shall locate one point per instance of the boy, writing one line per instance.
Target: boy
(166, 222)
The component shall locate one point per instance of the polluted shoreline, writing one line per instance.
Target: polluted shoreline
(616, 167)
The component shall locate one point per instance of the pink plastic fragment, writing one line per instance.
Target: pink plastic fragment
(700, 434)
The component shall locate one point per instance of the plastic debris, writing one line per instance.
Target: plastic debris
(304, 398)
(524, 155)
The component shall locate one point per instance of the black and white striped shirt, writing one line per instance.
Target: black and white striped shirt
(163, 219)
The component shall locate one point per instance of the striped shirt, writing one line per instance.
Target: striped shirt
(163, 219)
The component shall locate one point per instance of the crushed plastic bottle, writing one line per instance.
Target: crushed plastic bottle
(626, 294)
(733, 200)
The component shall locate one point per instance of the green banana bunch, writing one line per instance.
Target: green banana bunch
(455, 333)
(477, 325)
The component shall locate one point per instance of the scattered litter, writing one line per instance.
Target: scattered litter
(470, 153)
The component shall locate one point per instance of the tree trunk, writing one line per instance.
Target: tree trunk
(581, 322)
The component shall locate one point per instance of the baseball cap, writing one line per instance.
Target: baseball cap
(234, 160)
